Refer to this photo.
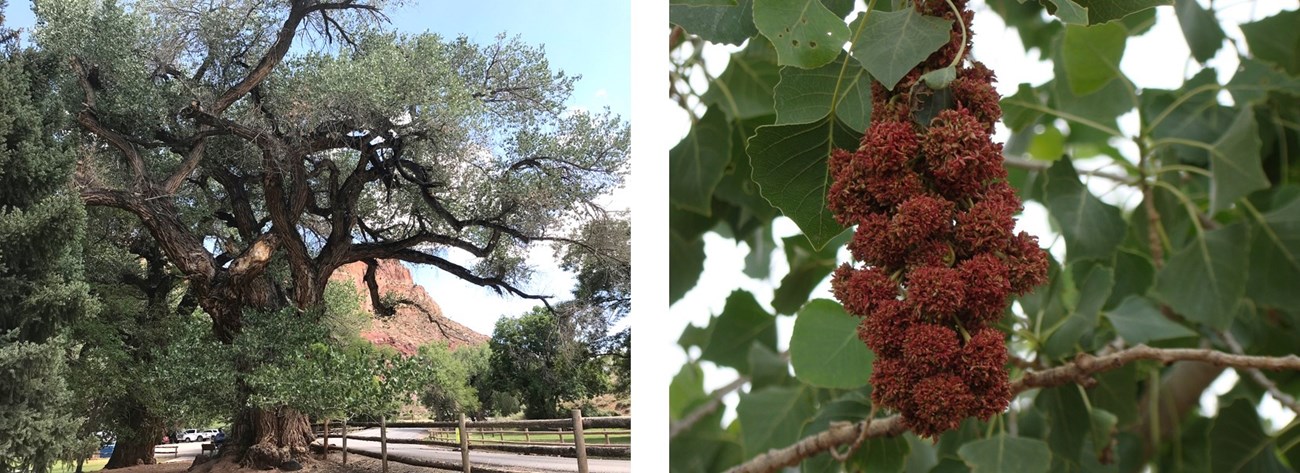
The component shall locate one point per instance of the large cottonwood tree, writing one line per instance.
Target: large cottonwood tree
(265, 143)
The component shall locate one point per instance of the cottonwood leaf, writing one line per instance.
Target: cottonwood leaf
(1201, 30)
(772, 417)
(805, 33)
(1001, 453)
(717, 22)
(1254, 80)
(824, 347)
(1205, 280)
(687, 261)
(841, 88)
(892, 43)
(744, 89)
(808, 268)
(1276, 40)
(790, 168)
(1275, 257)
(1092, 229)
(1091, 55)
(1238, 442)
(1022, 108)
(1235, 162)
(696, 164)
(741, 323)
(1092, 12)
(1138, 320)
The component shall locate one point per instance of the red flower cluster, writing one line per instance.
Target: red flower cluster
(939, 258)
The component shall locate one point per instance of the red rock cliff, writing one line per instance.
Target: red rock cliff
(415, 324)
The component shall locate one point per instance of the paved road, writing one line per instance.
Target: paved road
(479, 457)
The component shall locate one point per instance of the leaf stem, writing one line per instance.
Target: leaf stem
(961, 50)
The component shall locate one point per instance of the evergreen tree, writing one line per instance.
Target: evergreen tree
(40, 266)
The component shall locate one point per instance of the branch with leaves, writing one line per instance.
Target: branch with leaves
(1079, 371)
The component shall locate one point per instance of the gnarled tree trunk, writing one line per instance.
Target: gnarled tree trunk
(136, 446)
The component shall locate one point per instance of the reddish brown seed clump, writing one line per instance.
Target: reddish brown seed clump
(937, 259)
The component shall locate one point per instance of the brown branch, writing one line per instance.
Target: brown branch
(715, 400)
(1078, 371)
(1258, 376)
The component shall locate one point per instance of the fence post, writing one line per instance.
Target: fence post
(326, 451)
(526, 439)
(464, 445)
(345, 440)
(579, 443)
(383, 444)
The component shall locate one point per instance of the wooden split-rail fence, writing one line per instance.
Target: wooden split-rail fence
(555, 437)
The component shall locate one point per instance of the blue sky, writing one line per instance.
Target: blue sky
(590, 38)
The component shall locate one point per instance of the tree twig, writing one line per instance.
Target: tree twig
(1078, 371)
(1258, 376)
(707, 408)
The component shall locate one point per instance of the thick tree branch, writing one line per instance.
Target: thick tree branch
(495, 283)
(278, 49)
(1078, 371)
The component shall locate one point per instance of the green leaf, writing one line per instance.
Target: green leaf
(741, 323)
(772, 417)
(744, 89)
(702, 2)
(808, 95)
(696, 164)
(892, 43)
(939, 79)
(1091, 55)
(1238, 443)
(1116, 391)
(790, 169)
(1275, 257)
(882, 454)
(766, 367)
(1048, 145)
(808, 268)
(1235, 162)
(1138, 320)
(1189, 113)
(1067, 424)
(1134, 274)
(1068, 11)
(1093, 291)
(1021, 109)
(1092, 229)
(1102, 428)
(686, 262)
(805, 33)
(1001, 453)
(1205, 280)
(737, 186)
(1092, 12)
(686, 390)
(825, 350)
(1254, 80)
(1201, 30)
(852, 406)
(716, 22)
(1276, 40)
(705, 447)
(758, 262)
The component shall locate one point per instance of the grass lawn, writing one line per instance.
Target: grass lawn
(94, 464)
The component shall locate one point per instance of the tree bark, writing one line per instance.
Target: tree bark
(272, 436)
(136, 446)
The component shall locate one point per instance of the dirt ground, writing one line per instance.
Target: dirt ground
(356, 464)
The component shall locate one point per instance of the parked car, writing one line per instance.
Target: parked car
(107, 450)
(208, 434)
